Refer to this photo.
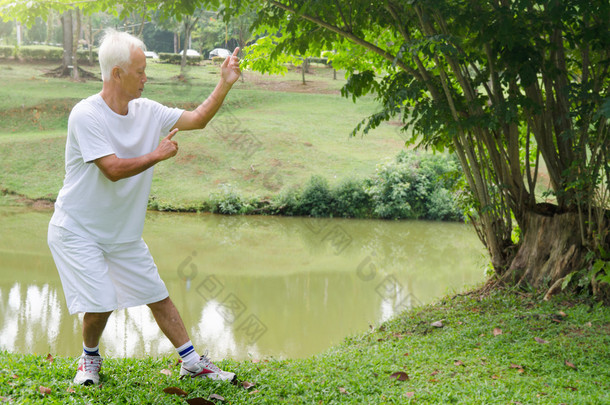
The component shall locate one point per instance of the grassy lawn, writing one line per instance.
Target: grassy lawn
(273, 133)
(502, 348)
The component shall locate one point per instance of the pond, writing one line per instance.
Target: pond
(246, 286)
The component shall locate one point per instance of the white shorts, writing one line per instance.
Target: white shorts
(99, 277)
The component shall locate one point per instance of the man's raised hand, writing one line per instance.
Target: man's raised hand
(229, 70)
(167, 147)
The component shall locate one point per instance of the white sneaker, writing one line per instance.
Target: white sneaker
(88, 370)
(204, 368)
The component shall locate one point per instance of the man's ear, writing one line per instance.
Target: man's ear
(116, 73)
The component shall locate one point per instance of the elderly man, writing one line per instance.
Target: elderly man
(95, 234)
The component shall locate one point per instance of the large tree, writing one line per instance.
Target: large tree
(519, 90)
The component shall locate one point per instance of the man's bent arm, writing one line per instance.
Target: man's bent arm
(115, 168)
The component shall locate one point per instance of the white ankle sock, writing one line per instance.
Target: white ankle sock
(188, 353)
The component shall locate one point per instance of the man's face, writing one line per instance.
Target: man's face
(134, 77)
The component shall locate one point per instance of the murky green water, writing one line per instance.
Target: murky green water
(246, 286)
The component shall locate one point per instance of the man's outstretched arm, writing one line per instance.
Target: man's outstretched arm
(199, 117)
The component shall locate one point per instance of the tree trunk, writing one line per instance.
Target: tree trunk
(551, 249)
(50, 21)
(187, 33)
(90, 40)
(77, 26)
(304, 68)
(66, 25)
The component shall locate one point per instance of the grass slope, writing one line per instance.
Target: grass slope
(272, 134)
(502, 348)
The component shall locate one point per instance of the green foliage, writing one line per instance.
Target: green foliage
(33, 53)
(263, 56)
(351, 200)
(7, 51)
(176, 58)
(416, 186)
(229, 202)
(316, 200)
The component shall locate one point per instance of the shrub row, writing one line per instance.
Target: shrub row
(413, 186)
(34, 53)
(7, 51)
(176, 58)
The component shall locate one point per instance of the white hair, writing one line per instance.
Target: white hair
(115, 50)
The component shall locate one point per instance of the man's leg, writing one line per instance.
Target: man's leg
(172, 326)
(169, 321)
(93, 326)
(90, 361)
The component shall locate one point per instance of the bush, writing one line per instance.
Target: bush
(351, 200)
(83, 57)
(316, 199)
(176, 58)
(416, 186)
(31, 53)
(7, 51)
(230, 202)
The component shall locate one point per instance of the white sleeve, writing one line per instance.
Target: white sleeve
(87, 129)
(167, 116)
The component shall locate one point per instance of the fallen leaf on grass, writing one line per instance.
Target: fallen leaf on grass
(562, 314)
(497, 331)
(175, 391)
(44, 390)
(50, 358)
(410, 394)
(70, 390)
(342, 390)
(217, 397)
(199, 401)
(247, 384)
(435, 372)
(400, 376)
(437, 324)
(539, 340)
(166, 371)
(458, 363)
(571, 365)
(494, 377)
(254, 392)
(572, 388)
(517, 367)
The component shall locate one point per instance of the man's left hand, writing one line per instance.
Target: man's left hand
(229, 70)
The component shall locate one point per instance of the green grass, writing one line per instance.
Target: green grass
(464, 362)
(272, 134)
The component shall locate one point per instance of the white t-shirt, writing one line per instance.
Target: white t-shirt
(91, 205)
